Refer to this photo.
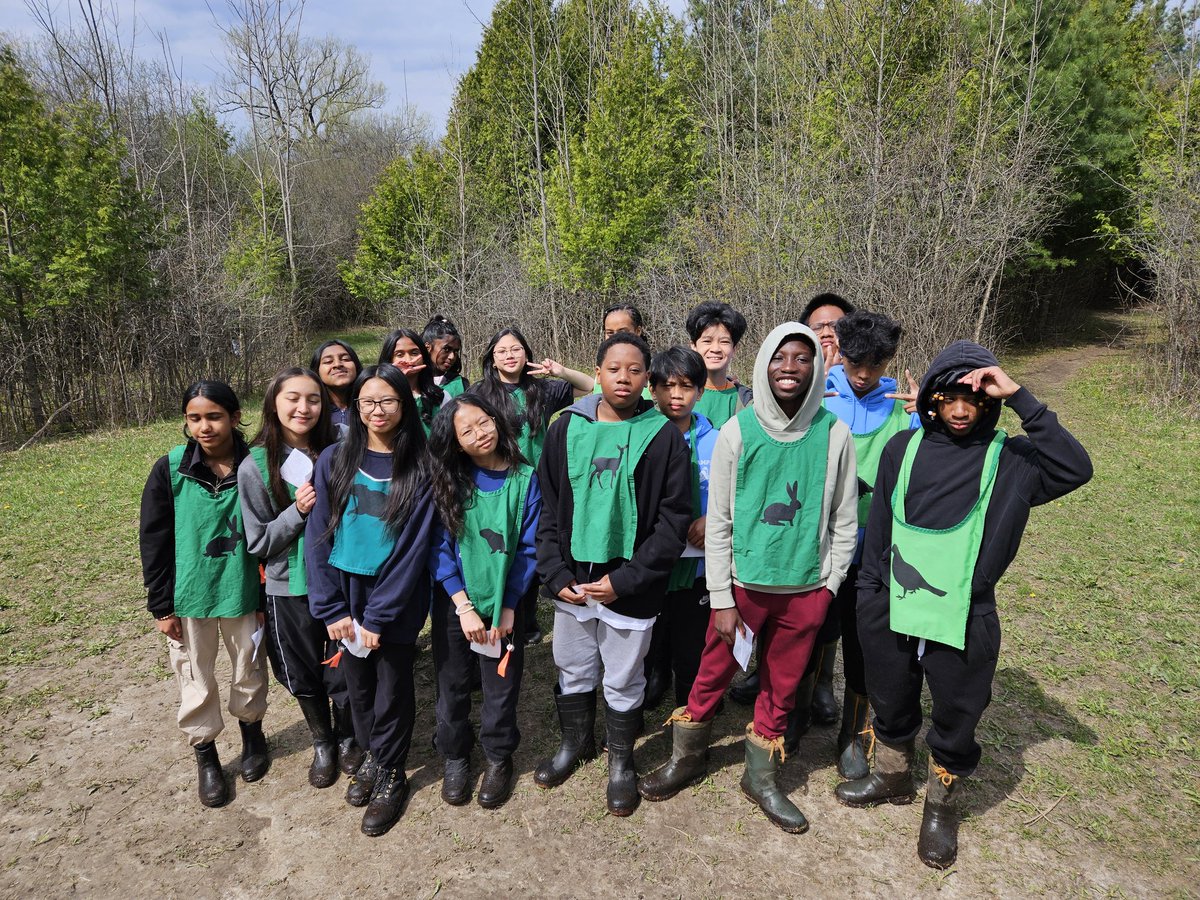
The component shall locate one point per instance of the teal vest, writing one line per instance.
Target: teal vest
(362, 542)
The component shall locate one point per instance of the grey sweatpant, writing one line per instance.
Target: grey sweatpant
(581, 648)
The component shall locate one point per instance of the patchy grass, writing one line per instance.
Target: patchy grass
(365, 339)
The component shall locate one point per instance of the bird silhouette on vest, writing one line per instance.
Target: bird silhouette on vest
(369, 502)
(909, 578)
(611, 464)
(494, 539)
(864, 488)
(783, 513)
(220, 546)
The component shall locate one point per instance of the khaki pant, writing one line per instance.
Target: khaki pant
(195, 662)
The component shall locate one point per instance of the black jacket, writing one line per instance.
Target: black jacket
(944, 484)
(663, 492)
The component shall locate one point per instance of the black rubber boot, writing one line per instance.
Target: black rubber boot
(577, 719)
(456, 782)
(497, 784)
(358, 792)
(623, 729)
(938, 844)
(746, 693)
(760, 785)
(801, 715)
(688, 762)
(323, 771)
(890, 782)
(824, 707)
(256, 759)
(213, 789)
(387, 802)
(350, 754)
(851, 743)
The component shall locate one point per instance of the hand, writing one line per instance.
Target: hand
(171, 627)
(472, 627)
(909, 398)
(696, 533)
(992, 381)
(504, 629)
(546, 367)
(342, 628)
(306, 498)
(601, 591)
(727, 623)
(260, 619)
(369, 639)
(832, 356)
(572, 594)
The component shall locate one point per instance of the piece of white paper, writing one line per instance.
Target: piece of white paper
(296, 469)
(743, 645)
(690, 552)
(256, 640)
(354, 645)
(485, 649)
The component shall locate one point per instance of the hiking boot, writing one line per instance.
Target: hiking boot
(350, 753)
(890, 782)
(497, 785)
(214, 791)
(358, 792)
(456, 782)
(577, 720)
(387, 802)
(323, 771)
(938, 844)
(760, 785)
(851, 742)
(256, 758)
(824, 706)
(688, 762)
(623, 729)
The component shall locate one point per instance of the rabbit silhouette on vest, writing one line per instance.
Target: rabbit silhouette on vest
(369, 502)
(909, 578)
(611, 464)
(783, 513)
(494, 539)
(219, 546)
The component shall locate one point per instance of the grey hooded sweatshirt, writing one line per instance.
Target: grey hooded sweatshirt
(839, 508)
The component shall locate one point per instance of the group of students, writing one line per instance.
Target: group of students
(672, 515)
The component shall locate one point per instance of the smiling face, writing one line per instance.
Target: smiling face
(298, 406)
(337, 369)
(622, 375)
(211, 426)
(790, 373)
(959, 410)
(715, 346)
(676, 398)
(509, 358)
(445, 353)
(380, 409)
(823, 322)
(476, 433)
(864, 377)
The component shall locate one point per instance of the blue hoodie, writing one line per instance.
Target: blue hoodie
(706, 439)
(861, 414)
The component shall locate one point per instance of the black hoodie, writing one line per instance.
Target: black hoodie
(944, 485)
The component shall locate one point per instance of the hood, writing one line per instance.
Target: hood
(956, 360)
(837, 381)
(766, 407)
(587, 405)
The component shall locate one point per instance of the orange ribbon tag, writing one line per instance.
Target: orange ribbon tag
(333, 661)
(502, 667)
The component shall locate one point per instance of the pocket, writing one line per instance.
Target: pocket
(181, 663)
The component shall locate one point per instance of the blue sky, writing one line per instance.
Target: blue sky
(417, 49)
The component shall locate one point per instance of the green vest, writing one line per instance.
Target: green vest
(297, 582)
(454, 386)
(718, 405)
(214, 575)
(529, 440)
(778, 497)
(932, 569)
(683, 573)
(362, 541)
(421, 407)
(490, 539)
(868, 448)
(601, 458)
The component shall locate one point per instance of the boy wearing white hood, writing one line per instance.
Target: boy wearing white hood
(781, 530)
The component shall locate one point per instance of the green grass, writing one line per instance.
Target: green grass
(365, 339)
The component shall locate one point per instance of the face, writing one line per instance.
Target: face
(822, 322)
(211, 426)
(676, 397)
(618, 321)
(337, 367)
(622, 376)
(864, 377)
(715, 345)
(406, 356)
(445, 353)
(509, 358)
(790, 371)
(379, 407)
(298, 405)
(476, 431)
(959, 411)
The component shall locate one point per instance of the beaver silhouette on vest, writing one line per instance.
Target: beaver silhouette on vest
(494, 539)
(611, 464)
(220, 546)
(369, 502)
(783, 513)
(909, 578)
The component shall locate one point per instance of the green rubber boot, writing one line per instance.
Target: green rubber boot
(759, 782)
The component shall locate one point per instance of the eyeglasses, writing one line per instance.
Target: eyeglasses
(502, 352)
(387, 404)
(818, 327)
(478, 431)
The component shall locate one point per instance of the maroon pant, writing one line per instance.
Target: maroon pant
(785, 626)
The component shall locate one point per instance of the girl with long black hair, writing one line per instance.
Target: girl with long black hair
(337, 365)
(405, 350)
(445, 347)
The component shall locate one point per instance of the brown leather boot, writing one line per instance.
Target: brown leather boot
(938, 844)
(890, 782)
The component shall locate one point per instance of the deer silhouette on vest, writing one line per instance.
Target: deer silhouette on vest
(610, 464)
(783, 513)
(220, 546)
(494, 539)
(369, 502)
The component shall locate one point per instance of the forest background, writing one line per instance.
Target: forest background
(985, 169)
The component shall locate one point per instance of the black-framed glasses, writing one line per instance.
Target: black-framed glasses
(387, 404)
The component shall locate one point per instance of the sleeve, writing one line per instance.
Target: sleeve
(156, 540)
(327, 601)
(1060, 462)
(873, 574)
(843, 510)
(267, 534)
(520, 574)
(405, 569)
(718, 530)
(443, 561)
(559, 395)
(552, 566)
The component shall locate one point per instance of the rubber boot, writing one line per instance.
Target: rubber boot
(852, 752)
(213, 789)
(577, 719)
(824, 707)
(689, 758)
(746, 693)
(890, 782)
(387, 802)
(323, 771)
(362, 782)
(456, 782)
(623, 729)
(256, 759)
(938, 844)
(350, 754)
(759, 782)
(801, 715)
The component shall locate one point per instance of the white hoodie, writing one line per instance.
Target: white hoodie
(839, 508)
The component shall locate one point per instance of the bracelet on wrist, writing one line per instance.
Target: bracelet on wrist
(464, 609)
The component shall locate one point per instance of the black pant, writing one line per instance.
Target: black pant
(687, 617)
(453, 660)
(960, 683)
(844, 611)
(297, 644)
(382, 702)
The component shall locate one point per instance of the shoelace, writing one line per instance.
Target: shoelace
(945, 777)
(869, 750)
